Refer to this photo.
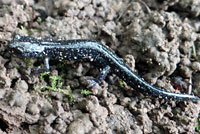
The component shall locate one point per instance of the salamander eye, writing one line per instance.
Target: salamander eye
(20, 48)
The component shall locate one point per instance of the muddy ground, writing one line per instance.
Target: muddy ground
(159, 40)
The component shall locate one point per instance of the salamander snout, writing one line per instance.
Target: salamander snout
(14, 44)
(16, 47)
(26, 46)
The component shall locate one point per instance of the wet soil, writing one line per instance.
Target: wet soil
(159, 40)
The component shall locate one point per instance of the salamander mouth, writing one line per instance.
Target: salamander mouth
(15, 51)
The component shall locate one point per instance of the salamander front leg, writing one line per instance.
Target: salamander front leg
(46, 63)
(45, 69)
(94, 82)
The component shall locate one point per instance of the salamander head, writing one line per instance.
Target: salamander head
(26, 46)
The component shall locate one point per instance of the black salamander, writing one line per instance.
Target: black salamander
(88, 50)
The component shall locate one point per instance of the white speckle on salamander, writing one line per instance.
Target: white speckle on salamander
(91, 59)
(17, 37)
(61, 54)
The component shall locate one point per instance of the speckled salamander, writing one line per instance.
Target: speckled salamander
(88, 50)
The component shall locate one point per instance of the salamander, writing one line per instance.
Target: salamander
(93, 51)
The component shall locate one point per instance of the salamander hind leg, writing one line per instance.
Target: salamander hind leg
(96, 81)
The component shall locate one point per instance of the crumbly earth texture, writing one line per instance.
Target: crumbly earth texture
(160, 41)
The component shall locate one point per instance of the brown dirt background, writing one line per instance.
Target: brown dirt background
(159, 40)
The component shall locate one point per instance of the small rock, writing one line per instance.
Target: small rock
(196, 66)
(80, 126)
(50, 118)
(21, 85)
(13, 73)
(15, 99)
(32, 109)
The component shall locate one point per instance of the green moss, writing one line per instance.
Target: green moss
(121, 84)
(57, 86)
(194, 50)
(28, 62)
(85, 92)
(44, 74)
(18, 67)
(25, 30)
(39, 19)
(198, 124)
(36, 30)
